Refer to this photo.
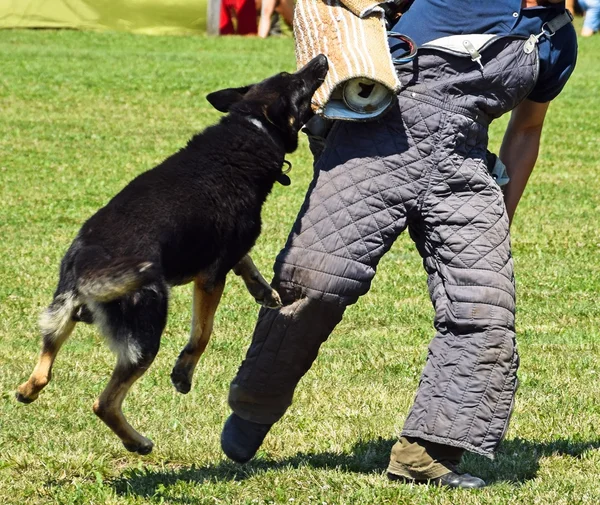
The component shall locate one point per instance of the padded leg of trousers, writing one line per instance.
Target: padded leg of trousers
(467, 388)
(285, 344)
(355, 208)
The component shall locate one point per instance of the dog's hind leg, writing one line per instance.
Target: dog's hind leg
(134, 326)
(256, 284)
(108, 406)
(56, 324)
(204, 306)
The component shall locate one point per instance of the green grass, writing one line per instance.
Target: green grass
(82, 113)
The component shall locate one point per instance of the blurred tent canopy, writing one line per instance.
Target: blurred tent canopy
(138, 16)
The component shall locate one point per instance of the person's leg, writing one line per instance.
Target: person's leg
(266, 11)
(284, 345)
(467, 388)
(286, 9)
(355, 208)
(591, 20)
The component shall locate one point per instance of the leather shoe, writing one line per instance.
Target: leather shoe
(240, 439)
(450, 479)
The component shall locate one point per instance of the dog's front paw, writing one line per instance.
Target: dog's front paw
(270, 299)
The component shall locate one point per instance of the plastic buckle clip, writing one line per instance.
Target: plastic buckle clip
(473, 52)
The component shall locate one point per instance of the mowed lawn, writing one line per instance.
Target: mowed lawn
(83, 113)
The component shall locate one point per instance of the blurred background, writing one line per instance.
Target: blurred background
(215, 17)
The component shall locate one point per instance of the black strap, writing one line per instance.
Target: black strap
(555, 24)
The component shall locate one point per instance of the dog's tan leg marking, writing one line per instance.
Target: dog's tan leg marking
(42, 373)
(108, 407)
(256, 284)
(204, 306)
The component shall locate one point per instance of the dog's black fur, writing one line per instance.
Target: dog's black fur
(194, 217)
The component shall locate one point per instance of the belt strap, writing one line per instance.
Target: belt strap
(549, 28)
(555, 24)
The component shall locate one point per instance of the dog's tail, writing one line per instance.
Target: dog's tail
(103, 278)
(55, 320)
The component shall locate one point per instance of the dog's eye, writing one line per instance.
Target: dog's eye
(285, 74)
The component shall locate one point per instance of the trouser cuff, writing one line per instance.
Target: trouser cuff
(258, 408)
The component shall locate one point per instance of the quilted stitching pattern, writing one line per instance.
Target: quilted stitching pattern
(422, 165)
(508, 76)
(370, 181)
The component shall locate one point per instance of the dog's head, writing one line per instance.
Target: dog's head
(282, 100)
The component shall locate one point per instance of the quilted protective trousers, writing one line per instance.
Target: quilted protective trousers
(422, 167)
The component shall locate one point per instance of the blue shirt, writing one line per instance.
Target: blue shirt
(427, 20)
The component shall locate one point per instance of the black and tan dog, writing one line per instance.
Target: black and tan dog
(194, 218)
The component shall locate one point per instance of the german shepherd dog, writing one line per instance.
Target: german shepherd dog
(194, 218)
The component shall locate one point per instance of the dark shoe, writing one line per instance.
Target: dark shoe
(240, 439)
(275, 28)
(450, 479)
(459, 480)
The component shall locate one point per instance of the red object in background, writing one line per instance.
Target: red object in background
(243, 12)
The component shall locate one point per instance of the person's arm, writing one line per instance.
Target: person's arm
(520, 148)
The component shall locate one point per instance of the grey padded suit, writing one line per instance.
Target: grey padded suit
(420, 166)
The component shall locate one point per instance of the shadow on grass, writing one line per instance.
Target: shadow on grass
(516, 462)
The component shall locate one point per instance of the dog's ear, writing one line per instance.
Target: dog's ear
(223, 99)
